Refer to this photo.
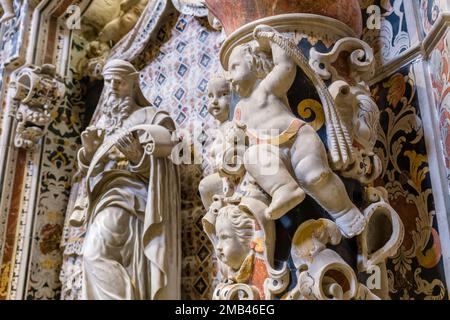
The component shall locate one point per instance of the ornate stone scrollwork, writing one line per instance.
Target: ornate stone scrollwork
(235, 292)
(348, 66)
(383, 235)
(350, 59)
(381, 239)
(266, 161)
(322, 273)
(36, 91)
(8, 10)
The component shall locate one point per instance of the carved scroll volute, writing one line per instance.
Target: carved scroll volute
(322, 273)
(350, 59)
(380, 240)
(36, 91)
(238, 291)
(348, 67)
(382, 237)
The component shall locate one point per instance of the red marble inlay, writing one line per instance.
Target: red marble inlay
(62, 8)
(236, 13)
(51, 39)
(53, 27)
(13, 217)
(259, 275)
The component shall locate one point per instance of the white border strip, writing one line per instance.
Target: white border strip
(438, 174)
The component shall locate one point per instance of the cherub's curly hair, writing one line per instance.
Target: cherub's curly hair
(260, 61)
(242, 222)
(218, 76)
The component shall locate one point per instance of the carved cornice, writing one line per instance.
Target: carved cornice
(403, 59)
(302, 23)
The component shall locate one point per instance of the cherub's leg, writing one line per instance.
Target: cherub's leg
(8, 8)
(210, 186)
(263, 163)
(309, 160)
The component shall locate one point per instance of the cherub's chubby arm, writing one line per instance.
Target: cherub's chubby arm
(282, 76)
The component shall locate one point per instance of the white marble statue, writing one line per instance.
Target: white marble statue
(116, 29)
(279, 184)
(8, 9)
(234, 230)
(263, 107)
(219, 107)
(132, 248)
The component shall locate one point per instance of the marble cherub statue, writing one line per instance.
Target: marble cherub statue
(219, 107)
(261, 72)
(8, 9)
(239, 248)
(244, 241)
(283, 189)
(105, 23)
(115, 30)
(235, 230)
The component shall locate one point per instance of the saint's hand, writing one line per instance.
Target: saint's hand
(91, 139)
(130, 146)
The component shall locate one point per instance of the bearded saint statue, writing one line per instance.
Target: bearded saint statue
(131, 203)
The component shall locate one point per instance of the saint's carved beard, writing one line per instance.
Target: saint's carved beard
(117, 110)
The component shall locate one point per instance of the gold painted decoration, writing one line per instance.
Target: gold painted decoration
(311, 111)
